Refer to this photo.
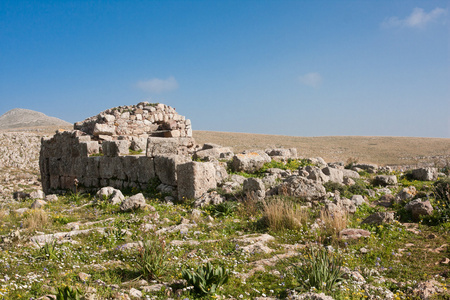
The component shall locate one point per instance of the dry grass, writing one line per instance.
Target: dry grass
(367, 149)
(281, 214)
(332, 224)
(35, 219)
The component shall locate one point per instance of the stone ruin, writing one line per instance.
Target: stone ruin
(131, 146)
(123, 147)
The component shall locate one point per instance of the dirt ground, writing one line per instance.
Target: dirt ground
(368, 149)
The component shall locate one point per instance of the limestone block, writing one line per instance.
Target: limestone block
(215, 153)
(385, 180)
(166, 167)
(109, 118)
(91, 166)
(350, 173)
(104, 129)
(425, 174)
(88, 148)
(254, 187)
(111, 167)
(116, 148)
(303, 188)
(161, 146)
(250, 161)
(172, 133)
(194, 179)
(335, 175)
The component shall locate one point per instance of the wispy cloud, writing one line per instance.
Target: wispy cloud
(311, 79)
(156, 85)
(418, 18)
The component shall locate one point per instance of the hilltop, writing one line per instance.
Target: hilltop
(22, 118)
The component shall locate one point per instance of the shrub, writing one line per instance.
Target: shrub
(152, 259)
(35, 219)
(279, 214)
(48, 251)
(207, 278)
(318, 268)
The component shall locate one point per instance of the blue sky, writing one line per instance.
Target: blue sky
(300, 68)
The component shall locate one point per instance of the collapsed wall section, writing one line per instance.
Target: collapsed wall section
(71, 155)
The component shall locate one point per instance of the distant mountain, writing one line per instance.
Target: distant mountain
(19, 118)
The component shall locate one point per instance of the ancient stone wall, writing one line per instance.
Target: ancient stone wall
(98, 153)
(141, 120)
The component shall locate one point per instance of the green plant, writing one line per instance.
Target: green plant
(68, 293)
(207, 278)
(152, 259)
(318, 269)
(48, 251)
(135, 152)
(226, 208)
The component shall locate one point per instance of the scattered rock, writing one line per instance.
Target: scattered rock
(419, 208)
(254, 187)
(38, 204)
(37, 195)
(352, 233)
(425, 174)
(379, 218)
(134, 202)
(385, 180)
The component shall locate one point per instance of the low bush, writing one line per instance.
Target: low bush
(280, 215)
(35, 219)
(152, 261)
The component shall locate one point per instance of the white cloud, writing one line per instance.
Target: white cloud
(418, 18)
(156, 85)
(311, 79)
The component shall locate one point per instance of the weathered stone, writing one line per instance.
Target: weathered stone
(209, 198)
(385, 180)
(249, 161)
(405, 194)
(103, 129)
(316, 174)
(195, 179)
(38, 203)
(51, 197)
(116, 148)
(419, 208)
(350, 173)
(37, 195)
(132, 203)
(111, 194)
(369, 168)
(215, 153)
(351, 233)
(166, 167)
(357, 200)
(254, 187)
(425, 174)
(301, 187)
(379, 218)
(334, 175)
(282, 153)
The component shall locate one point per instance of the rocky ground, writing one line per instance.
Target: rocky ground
(387, 231)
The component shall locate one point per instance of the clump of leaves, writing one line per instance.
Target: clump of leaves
(48, 251)
(207, 278)
(223, 209)
(318, 268)
(152, 259)
(69, 293)
(115, 234)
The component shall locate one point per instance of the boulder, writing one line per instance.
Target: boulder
(111, 194)
(104, 129)
(116, 148)
(316, 174)
(379, 218)
(385, 180)
(335, 175)
(134, 202)
(419, 208)
(38, 203)
(301, 187)
(37, 195)
(357, 200)
(369, 168)
(215, 153)
(425, 174)
(350, 173)
(254, 187)
(249, 161)
(282, 153)
(406, 194)
(194, 179)
(208, 199)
